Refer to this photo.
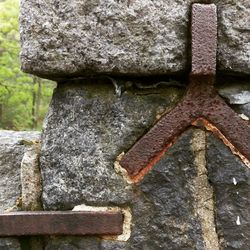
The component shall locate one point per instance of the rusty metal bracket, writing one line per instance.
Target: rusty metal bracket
(201, 105)
(61, 223)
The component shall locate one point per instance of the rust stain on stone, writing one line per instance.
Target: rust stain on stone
(201, 122)
(201, 105)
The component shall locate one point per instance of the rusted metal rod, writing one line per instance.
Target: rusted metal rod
(61, 223)
(200, 103)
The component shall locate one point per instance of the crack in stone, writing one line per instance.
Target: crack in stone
(204, 202)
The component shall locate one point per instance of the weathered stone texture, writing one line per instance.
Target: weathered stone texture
(66, 38)
(13, 145)
(31, 179)
(9, 244)
(231, 180)
(73, 243)
(234, 35)
(86, 128)
(162, 206)
(236, 94)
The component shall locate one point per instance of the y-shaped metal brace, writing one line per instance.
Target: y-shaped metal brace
(201, 106)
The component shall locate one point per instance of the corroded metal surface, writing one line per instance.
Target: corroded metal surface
(201, 101)
(60, 223)
(204, 39)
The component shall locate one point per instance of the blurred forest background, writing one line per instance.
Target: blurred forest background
(24, 98)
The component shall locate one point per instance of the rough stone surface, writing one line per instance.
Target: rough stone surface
(237, 94)
(9, 244)
(231, 180)
(73, 243)
(162, 205)
(13, 145)
(85, 130)
(12, 148)
(31, 179)
(75, 38)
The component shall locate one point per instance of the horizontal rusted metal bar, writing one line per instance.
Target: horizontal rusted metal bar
(61, 223)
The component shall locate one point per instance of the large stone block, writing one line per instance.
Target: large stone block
(13, 146)
(140, 37)
(231, 180)
(86, 128)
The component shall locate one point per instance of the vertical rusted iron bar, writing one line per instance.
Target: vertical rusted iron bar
(60, 223)
(204, 39)
(152, 145)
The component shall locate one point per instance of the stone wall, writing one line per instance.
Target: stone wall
(195, 197)
(121, 66)
(139, 37)
(18, 165)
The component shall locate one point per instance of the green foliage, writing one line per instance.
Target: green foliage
(23, 98)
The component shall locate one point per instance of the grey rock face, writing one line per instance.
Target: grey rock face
(237, 95)
(9, 244)
(31, 179)
(234, 35)
(162, 205)
(13, 145)
(163, 208)
(75, 38)
(12, 148)
(230, 179)
(86, 128)
(74, 243)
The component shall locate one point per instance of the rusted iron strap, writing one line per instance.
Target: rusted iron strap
(230, 124)
(61, 223)
(147, 151)
(201, 102)
(204, 39)
(152, 145)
